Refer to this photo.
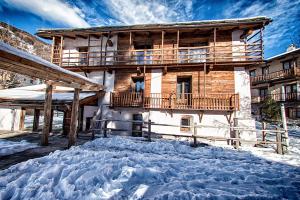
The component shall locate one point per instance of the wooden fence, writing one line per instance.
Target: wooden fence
(280, 142)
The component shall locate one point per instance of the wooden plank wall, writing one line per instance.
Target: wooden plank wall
(123, 81)
(219, 80)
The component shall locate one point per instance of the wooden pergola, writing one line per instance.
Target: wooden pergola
(21, 62)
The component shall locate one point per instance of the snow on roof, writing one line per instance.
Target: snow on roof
(36, 93)
(282, 54)
(7, 48)
(258, 19)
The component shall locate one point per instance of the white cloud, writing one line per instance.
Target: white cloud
(284, 13)
(51, 10)
(143, 11)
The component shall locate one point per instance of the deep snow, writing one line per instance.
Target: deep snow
(128, 168)
(9, 147)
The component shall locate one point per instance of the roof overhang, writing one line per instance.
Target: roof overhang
(253, 23)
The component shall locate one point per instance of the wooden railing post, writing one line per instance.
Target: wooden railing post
(195, 134)
(105, 129)
(149, 130)
(236, 133)
(263, 131)
(278, 142)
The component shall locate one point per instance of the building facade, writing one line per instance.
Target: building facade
(278, 78)
(177, 73)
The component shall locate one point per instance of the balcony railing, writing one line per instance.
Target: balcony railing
(182, 55)
(280, 97)
(282, 74)
(187, 101)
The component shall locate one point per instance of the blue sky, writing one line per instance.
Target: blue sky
(31, 15)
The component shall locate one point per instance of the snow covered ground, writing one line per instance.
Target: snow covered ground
(9, 147)
(128, 168)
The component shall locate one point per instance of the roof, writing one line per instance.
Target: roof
(37, 93)
(283, 54)
(260, 21)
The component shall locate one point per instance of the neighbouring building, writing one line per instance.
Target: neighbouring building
(279, 79)
(174, 73)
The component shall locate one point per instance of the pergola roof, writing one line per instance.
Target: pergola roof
(18, 61)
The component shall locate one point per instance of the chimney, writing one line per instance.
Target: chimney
(291, 48)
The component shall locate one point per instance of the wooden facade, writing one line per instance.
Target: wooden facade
(197, 60)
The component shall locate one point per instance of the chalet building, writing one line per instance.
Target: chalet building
(278, 78)
(175, 73)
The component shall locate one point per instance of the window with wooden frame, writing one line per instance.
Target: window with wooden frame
(252, 73)
(265, 70)
(186, 123)
(288, 64)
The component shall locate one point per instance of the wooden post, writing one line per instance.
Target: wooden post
(286, 134)
(178, 35)
(36, 120)
(61, 50)
(47, 115)
(88, 51)
(105, 129)
(51, 121)
(195, 134)
(149, 130)
(264, 132)
(215, 38)
(22, 119)
(162, 46)
(279, 142)
(52, 48)
(74, 118)
(236, 133)
(204, 79)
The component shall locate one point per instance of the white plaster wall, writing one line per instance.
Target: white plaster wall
(88, 111)
(237, 51)
(10, 119)
(242, 86)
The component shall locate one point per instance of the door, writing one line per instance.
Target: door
(184, 91)
(137, 91)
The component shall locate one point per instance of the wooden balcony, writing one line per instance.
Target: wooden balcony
(244, 53)
(187, 101)
(275, 76)
(279, 97)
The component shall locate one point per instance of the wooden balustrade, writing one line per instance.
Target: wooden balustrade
(201, 54)
(280, 97)
(187, 101)
(287, 73)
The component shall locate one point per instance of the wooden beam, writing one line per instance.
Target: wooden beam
(52, 49)
(204, 79)
(51, 120)
(81, 36)
(36, 120)
(47, 115)
(74, 119)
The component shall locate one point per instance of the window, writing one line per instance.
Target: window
(252, 73)
(185, 123)
(183, 85)
(144, 54)
(287, 64)
(291, 92)
(298, 112)
(264, 70)
(263, 93)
